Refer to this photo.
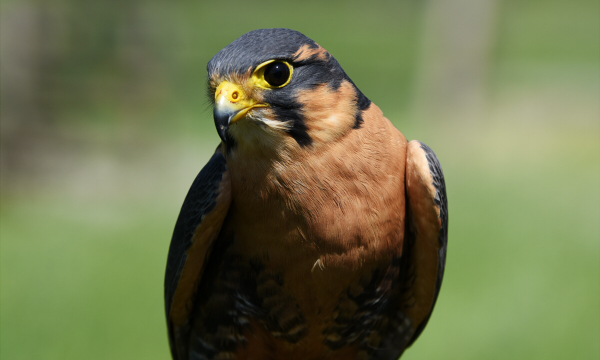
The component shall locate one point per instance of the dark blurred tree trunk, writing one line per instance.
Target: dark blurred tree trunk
(22, 60)
(66, 62)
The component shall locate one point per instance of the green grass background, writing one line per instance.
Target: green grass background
(91, 187)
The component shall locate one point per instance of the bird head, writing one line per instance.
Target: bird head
(276, 88)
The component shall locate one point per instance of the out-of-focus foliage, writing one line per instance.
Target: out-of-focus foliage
(105, 122)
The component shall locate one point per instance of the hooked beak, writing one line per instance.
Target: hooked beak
(231, 105)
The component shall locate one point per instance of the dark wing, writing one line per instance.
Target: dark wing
(198, 226)
(426, 235)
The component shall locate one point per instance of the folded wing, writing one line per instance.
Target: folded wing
(426, 235)
(198, 226)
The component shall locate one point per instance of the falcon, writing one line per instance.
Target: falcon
(315, 230)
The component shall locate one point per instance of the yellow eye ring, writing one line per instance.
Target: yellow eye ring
(273, 74)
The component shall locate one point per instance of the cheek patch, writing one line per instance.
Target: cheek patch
(328, 114)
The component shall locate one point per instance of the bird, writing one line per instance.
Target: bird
(315, 230)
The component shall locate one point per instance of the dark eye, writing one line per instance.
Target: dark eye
(277, 73)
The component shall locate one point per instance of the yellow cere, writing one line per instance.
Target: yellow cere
(230, 91)
(231, 97)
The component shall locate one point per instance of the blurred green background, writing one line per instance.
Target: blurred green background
(105, 123)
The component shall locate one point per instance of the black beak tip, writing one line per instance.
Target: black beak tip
(222, 119)
(222, 130)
